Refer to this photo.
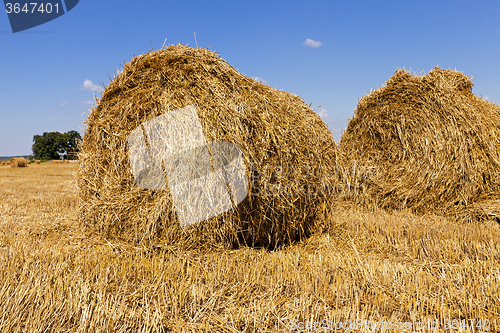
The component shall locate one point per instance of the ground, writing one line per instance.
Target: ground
(370, 267)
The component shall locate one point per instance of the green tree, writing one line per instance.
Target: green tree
(69, 142)
(50, 145)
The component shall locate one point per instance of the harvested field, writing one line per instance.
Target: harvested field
(373, 266)
(365, 258)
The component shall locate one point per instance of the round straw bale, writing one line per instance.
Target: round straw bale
(280, 138)
(434, 144)
(38, 162)
(18, 162)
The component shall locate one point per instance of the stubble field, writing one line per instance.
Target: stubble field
(370, 267)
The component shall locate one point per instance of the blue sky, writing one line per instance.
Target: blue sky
(48, 72)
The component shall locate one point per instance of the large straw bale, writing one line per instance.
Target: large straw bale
(273, 129)
(435, 145)
(18, 162)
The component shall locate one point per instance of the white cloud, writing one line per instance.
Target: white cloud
(86, 103)
(312, 43)
(88, 85)
(259, 79)
(63, 103)
(323, 113)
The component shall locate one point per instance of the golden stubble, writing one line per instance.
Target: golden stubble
(362, 264)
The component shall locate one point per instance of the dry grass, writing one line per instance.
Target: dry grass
(369, 265)
(274, 130)
(435, 145)
(18, 162)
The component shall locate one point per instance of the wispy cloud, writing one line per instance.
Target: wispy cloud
(86, 103)
(323, 113)
(312, 43)
(63, 103)
(88, 85)
(259, 79)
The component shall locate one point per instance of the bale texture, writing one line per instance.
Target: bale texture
(434, 144)
(274, 130)
(18, 162)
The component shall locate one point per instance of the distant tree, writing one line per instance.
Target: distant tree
(51, 145)
(70, 144)
(46, 146)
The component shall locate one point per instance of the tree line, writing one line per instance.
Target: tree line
(54, 145)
